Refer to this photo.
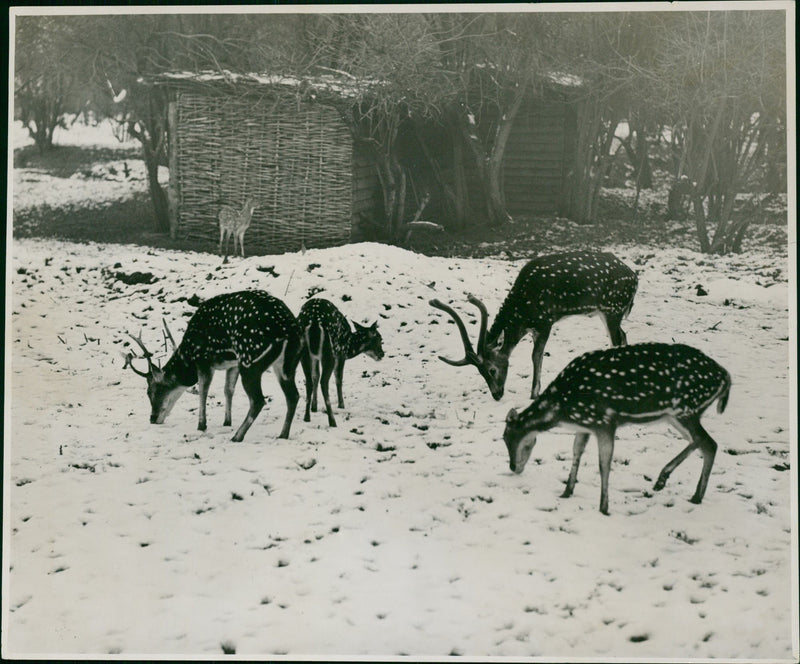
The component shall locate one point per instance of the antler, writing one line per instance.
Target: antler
(168, 334)
(147, 355)
(128, 357)
(484, 321)
(470, 356)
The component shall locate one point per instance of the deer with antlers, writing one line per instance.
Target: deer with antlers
(547, 289)
(244, 333)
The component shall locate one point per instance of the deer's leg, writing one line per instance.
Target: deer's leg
(315, 364)
(285, 368)
(339, 369)
(663, 476)
(605, 447)
(316, 360)
(241, 243)
(578, 445)
(539, 340)
(693, 431)
(221, 237)
(204, 376)
(231, 376)
(305, 360)
(328, 364)
(614, 326)
(251, 382)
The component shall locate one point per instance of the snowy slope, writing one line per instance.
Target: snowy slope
(408, 534)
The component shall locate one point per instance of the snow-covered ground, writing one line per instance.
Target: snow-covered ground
(96, 185)
(408, 535)
(402, 531)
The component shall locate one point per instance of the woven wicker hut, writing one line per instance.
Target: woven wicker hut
(282, 141)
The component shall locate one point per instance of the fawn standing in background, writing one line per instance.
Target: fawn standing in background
(247, 330)
(547, 289)
(327, 343)
(603, 389)
(233, 223)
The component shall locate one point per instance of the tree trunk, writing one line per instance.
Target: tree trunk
(489, 163)
(152, 148)
(460, 198)
(580, 189)
(157, 194)
(700, 222)
(496, 198)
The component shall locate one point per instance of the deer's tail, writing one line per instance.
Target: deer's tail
(724, 394)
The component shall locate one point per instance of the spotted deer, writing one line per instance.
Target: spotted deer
(547, 289)
(328, 342)
(244, 333)
(604, 389)
(233, 223)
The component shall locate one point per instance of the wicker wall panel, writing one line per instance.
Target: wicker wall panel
(294, 159)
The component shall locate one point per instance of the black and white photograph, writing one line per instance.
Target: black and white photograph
(313, 310)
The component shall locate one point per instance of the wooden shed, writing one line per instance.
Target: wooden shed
(540, 150)
(536, 165)
(282, 141)
(539, 154)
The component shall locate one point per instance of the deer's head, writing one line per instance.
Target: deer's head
(490, 357)
(163, 387)
(369, 340)
(522, 428)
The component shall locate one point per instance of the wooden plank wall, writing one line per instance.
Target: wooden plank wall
(536, 158)
(367, 196)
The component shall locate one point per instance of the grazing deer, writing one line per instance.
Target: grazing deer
(603, 389)
(233, 223)
(245, 333)
(547, 289)
(327, 343)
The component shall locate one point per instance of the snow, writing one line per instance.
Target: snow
(407, 535)
(734, 290)
(86, 133)
(97, 184)
(345, 87)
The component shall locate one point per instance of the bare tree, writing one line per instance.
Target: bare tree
(723, 78)
(128, 50)
(47, 79)
(494, 62)
(609, 53)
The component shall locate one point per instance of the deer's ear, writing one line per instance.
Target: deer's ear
(498, 343)
(512, 416)
(374, 326)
